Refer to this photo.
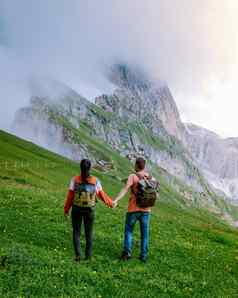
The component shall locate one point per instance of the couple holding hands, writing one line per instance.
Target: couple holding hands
(81, 197)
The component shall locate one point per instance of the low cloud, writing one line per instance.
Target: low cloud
(188, 43)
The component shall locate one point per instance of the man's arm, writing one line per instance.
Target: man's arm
(125, 189)
(121, 194)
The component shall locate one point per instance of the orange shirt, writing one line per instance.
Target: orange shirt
(133, 180)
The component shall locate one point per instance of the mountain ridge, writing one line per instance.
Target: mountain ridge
(138, 118)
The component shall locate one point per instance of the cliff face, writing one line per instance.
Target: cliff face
(216, 157)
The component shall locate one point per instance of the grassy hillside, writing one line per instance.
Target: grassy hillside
(192, 253)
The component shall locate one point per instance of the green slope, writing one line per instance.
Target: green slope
(192, 253)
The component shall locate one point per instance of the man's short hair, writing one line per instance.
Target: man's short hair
(140, 163)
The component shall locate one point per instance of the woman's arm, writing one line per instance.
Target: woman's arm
(70, 198)
(68, 202)
(105, 198)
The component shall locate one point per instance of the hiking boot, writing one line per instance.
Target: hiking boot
(125, 256)
(143, 259)
(88, 258)
(77, 259)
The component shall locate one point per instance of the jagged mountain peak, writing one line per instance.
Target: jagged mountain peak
(132, 76)
(139, 97)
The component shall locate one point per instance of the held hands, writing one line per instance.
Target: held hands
(121, 194)
(114, 204)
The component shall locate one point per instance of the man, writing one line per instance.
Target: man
(135, 213)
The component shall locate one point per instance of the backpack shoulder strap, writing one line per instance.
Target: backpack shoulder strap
(145, 177)
(92, 180)
(77, 179)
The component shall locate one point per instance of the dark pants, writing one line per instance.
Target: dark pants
(85, 215)
(144, 220)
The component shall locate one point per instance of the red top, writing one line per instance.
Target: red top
(99, 193)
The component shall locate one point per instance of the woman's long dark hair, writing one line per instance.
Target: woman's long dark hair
(85, 166)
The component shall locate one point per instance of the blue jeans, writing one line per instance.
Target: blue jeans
(144, 220)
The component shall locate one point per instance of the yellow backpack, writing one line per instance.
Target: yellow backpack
(85, 192)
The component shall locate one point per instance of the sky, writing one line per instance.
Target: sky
(190, 44)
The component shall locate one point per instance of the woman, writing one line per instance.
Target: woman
(82, 194)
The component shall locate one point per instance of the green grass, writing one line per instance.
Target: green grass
(146, 136)
(192, 252)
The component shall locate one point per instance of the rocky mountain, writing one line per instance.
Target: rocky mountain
(135, 119)
(141, 99)
(216, 157)
(139, 118)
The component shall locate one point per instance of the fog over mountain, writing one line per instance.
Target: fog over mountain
(192, 45)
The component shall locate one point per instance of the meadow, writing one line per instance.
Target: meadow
(192, 252)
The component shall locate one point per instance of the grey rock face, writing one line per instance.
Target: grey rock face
(216, 157)
(136, 98)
